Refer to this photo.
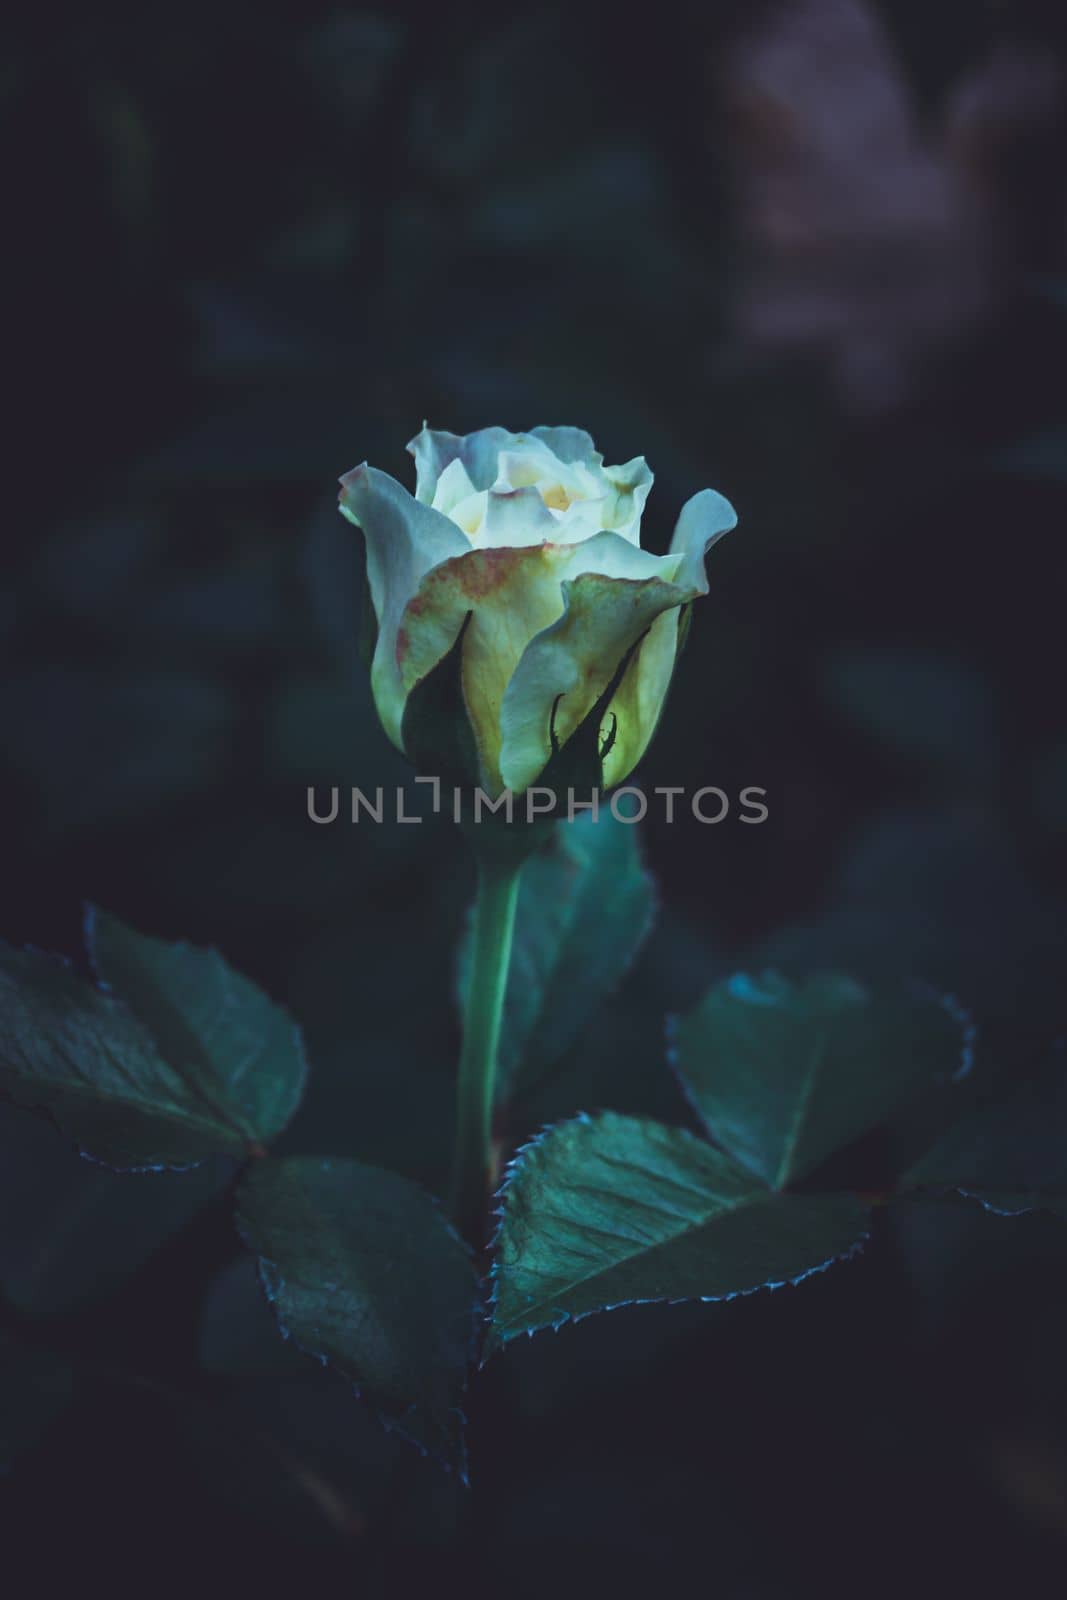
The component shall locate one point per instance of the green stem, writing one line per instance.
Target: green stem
(494, 922)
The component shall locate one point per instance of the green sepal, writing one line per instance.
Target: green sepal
(576, 767)
(579, 763)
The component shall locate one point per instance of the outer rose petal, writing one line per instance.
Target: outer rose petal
(701, 523)
(639, 699)
(513, 595)
(405, 540)
(566, 668)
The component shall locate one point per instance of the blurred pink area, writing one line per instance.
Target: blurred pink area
(867, 233)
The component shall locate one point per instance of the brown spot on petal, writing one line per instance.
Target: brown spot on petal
(482, 575)
(485, 572)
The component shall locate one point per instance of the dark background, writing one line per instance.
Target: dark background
(812, 254)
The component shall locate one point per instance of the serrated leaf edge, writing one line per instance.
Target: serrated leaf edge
(492, 1347)
(44, 1112)
(90, 913)
(389, 1424)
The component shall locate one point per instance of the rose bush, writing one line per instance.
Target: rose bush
(528, 545)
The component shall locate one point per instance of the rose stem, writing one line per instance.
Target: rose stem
(494, 922)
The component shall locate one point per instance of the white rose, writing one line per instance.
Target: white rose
(533, 543)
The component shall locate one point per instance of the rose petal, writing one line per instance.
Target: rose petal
(520, 466)
(517, 517)
(566, 669)
(639, 700)
(629, 487)
(637, 703)
(570, 444)
(469, 513)
(453, 487)
(405, 540)
(434, 450)
(513, 595)
(701, 523)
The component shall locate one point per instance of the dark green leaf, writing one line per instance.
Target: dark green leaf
(81, 1228)
(67, 1049)
(585, 906)
(35, 1388)
(609, 1210)
(178, 1059)
(364, 1272)
(238, 1053)
(783, 1075)
(1010, 1151)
